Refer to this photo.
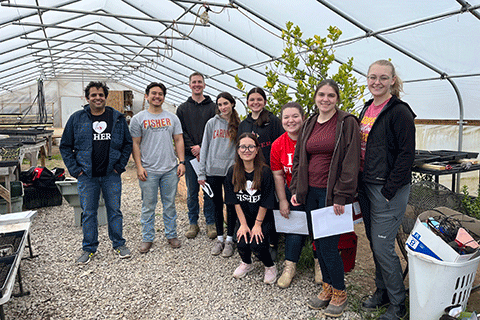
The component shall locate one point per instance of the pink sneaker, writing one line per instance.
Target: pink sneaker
(270, 275)
(242, 270)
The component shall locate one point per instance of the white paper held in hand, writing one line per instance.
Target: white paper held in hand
(326, 223)
(296, 222)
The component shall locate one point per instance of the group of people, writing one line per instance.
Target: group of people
(262, 163)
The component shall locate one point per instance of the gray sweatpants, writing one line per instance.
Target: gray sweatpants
(382, 219)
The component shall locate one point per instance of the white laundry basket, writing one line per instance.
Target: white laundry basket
(435, 285)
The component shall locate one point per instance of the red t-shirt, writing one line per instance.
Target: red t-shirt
(281, 155)
(365, 126)
(320, 146)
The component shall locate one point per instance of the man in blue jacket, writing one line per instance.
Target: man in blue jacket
(95, 146)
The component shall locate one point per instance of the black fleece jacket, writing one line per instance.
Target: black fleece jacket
(390, 150)
(266, 134)
(194, 117)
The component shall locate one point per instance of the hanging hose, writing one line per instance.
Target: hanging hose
(42, 110)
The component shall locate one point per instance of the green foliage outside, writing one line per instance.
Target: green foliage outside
(471, 204)
(307, 62)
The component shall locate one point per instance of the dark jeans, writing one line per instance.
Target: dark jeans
(328, 255)
(89, 193)
(382, 219)
(259, 249)
(294, 242)
(192, 196)
(216, 183)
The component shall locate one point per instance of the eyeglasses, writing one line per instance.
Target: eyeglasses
(244, 148)
(374, 78)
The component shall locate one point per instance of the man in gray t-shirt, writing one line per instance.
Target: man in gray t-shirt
(154, 132)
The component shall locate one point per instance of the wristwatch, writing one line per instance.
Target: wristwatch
(182, 162)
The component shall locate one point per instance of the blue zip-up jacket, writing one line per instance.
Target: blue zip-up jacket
(76, 145)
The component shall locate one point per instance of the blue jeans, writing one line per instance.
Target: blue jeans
(89, 194)
(328, 256)
(192, 196)
(167, 183)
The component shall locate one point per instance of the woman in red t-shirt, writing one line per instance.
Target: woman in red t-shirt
(281, 161)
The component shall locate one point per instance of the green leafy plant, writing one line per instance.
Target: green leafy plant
(306, 62)
(471, 204)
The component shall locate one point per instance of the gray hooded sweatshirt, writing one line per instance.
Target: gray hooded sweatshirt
(218, 152)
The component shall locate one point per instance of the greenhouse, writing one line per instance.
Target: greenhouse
(50, 51)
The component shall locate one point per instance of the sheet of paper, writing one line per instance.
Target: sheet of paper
(296, 222)
(195, 165)
(357, 213)
(326, 223)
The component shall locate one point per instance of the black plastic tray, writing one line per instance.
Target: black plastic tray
(6, 268)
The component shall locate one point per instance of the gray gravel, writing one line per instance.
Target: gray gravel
(185, 283)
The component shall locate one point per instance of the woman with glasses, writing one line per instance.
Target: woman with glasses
(267, 128)
(250, 188)
(325, 173)
(387, 152)
(216, 156)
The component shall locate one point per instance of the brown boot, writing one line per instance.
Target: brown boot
(287, 275)
(192, 231)
(211, 231)
(337, 305)
(323, 298)
(318, 272)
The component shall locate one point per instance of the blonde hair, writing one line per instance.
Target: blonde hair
(397, 87)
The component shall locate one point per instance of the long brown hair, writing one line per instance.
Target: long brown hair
(238, 180)
(234, 120)
(263, 117)
(397, 87)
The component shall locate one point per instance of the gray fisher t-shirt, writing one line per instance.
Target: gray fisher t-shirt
(156, 131)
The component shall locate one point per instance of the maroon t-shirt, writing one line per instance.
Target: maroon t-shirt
(320, 146)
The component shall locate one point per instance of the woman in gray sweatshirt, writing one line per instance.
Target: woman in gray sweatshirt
(216, 156)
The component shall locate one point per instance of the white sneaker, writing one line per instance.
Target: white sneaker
(242, 270)
(270, 275)
(217, 248)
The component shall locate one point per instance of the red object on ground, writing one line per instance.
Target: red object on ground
(348, 250)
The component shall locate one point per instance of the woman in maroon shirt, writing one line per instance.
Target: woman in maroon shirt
(327, 156)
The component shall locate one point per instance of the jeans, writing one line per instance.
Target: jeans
(382, 220)
(294, 242)
(328, 255)
(167, 183)
(89, 194)
(216, 183)
(192, 196)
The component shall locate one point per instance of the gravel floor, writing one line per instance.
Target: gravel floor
(185, 283)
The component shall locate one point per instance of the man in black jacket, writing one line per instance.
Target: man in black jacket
(194, 114)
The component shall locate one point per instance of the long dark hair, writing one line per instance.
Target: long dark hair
(239, 181)
(263, 117)
(234, 120)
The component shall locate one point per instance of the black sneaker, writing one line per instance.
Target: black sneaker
(123, 252)
(377, 300)
(85, 257)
